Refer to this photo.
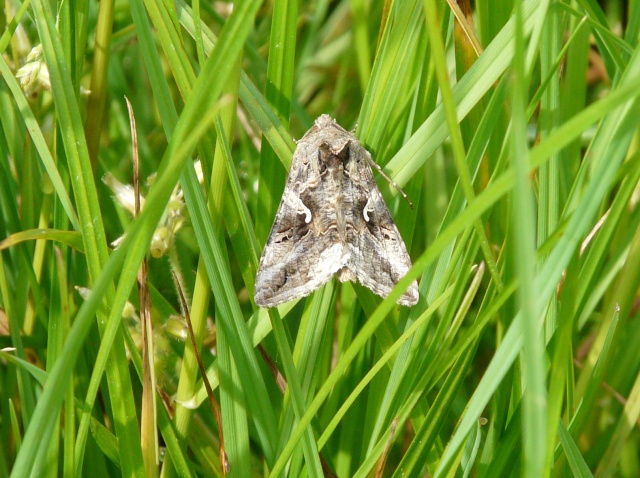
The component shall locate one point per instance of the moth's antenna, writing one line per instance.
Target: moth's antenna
(385, 175)
(391, 181)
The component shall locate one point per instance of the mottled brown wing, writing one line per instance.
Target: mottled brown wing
(295, 261)
(298, 257)
(379, 257)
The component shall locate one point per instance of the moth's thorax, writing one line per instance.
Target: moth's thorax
(333, 197)
(334, 153)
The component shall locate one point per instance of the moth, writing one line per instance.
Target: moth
(332, 219)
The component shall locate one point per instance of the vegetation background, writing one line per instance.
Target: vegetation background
(512, 126)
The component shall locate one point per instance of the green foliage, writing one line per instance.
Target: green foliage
(513, 133)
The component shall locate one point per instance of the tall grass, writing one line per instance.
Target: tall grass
(511, 127)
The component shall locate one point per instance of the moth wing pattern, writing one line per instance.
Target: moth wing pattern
(331, 219)
(379, 256)
(295, 261)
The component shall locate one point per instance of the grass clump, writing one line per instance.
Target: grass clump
(511, 127)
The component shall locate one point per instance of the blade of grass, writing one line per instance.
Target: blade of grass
(278, 92)
(203, 97)
(576, 461)
(92, 230)
(98, 87)
(611, 143)
(467, 92)
(534, 392)
(438, 54)
(39, 142)
(626, 423)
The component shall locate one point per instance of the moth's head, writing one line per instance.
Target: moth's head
(324, 121)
